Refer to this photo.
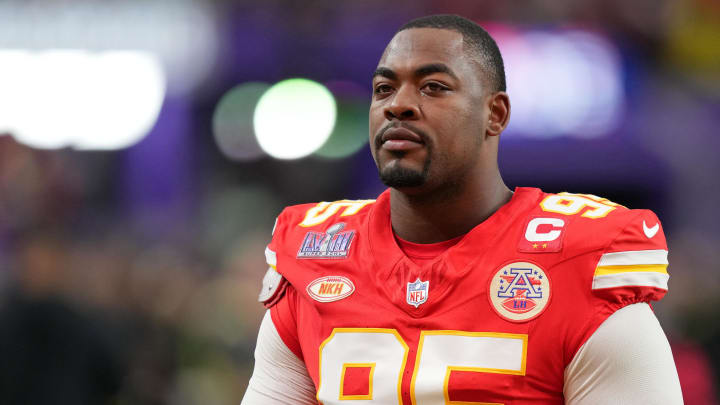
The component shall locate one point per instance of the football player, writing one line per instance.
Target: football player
(450, 288)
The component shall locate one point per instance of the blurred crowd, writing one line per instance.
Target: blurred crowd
(92, 309)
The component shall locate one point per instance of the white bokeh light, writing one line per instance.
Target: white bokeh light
(561, 83)
(294, 118)
(74, 98)
(184, 34)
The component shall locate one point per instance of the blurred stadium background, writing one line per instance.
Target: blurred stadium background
(146, 148)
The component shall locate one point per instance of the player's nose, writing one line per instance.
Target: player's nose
(404, 106)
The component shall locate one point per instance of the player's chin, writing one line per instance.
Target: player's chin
(401, 176)
(407, 158)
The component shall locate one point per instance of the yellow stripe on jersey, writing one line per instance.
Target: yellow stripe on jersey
(631, 279)
(645, 268)
(604, 270)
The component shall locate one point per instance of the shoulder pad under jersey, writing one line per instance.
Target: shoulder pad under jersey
(273, 284)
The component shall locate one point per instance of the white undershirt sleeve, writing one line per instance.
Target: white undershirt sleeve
(279, 377)
(626, 361)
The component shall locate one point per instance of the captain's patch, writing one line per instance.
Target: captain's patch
(542, 235)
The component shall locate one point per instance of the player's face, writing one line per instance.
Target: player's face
(426, 115)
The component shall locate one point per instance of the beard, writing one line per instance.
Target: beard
(398, 176)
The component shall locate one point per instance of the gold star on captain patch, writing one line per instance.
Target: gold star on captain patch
(544, 245)
(535, 245)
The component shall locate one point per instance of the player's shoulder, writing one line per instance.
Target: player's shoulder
(314, 230)
(321, 213)
(305, 223)
(624, 249)
(320, 230)
(592, 222)
(586, 209)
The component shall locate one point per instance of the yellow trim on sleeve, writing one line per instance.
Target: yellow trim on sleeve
(631, 268)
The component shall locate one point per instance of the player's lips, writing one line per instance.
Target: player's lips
(401, 139)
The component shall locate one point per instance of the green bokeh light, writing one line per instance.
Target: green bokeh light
(294, 118)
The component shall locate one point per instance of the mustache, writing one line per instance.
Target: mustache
(400, 124)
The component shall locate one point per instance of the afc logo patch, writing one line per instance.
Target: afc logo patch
(519, 291)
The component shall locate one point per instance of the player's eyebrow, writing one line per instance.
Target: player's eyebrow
(385, 72)
(431, 68)
(424, 70)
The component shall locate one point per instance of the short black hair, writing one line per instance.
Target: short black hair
(475, 39)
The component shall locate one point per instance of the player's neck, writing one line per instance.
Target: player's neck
(444, 214)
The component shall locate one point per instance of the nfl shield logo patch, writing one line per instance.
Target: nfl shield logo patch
(417, 292)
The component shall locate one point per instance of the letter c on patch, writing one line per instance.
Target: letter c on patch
(532, 234)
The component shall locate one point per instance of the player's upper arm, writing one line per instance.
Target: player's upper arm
(627, 360)
(279, 376)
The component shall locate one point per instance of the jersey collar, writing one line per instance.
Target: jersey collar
(393, 269)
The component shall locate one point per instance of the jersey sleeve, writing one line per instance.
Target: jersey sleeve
(284, 317)
(633, 266)
(627, 266)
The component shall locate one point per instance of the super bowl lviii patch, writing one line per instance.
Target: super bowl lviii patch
(334, 243)
(519, 291)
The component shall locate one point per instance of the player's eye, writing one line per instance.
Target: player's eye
(382, 89)
(434, 87)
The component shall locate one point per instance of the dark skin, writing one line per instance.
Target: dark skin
(428, 83)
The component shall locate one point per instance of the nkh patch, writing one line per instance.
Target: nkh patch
(331, 244)
(519, 291)
(417, 292)
(330, 288)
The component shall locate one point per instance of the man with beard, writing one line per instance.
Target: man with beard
(450, 287)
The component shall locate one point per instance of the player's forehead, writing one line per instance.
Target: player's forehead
(419, 46)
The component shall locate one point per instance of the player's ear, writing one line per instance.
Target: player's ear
(499, 105)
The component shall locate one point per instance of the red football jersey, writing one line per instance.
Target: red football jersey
(495, 319)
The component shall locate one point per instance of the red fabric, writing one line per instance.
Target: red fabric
(283, 317)
(356, 381)
(423, 253)
(458, 291)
